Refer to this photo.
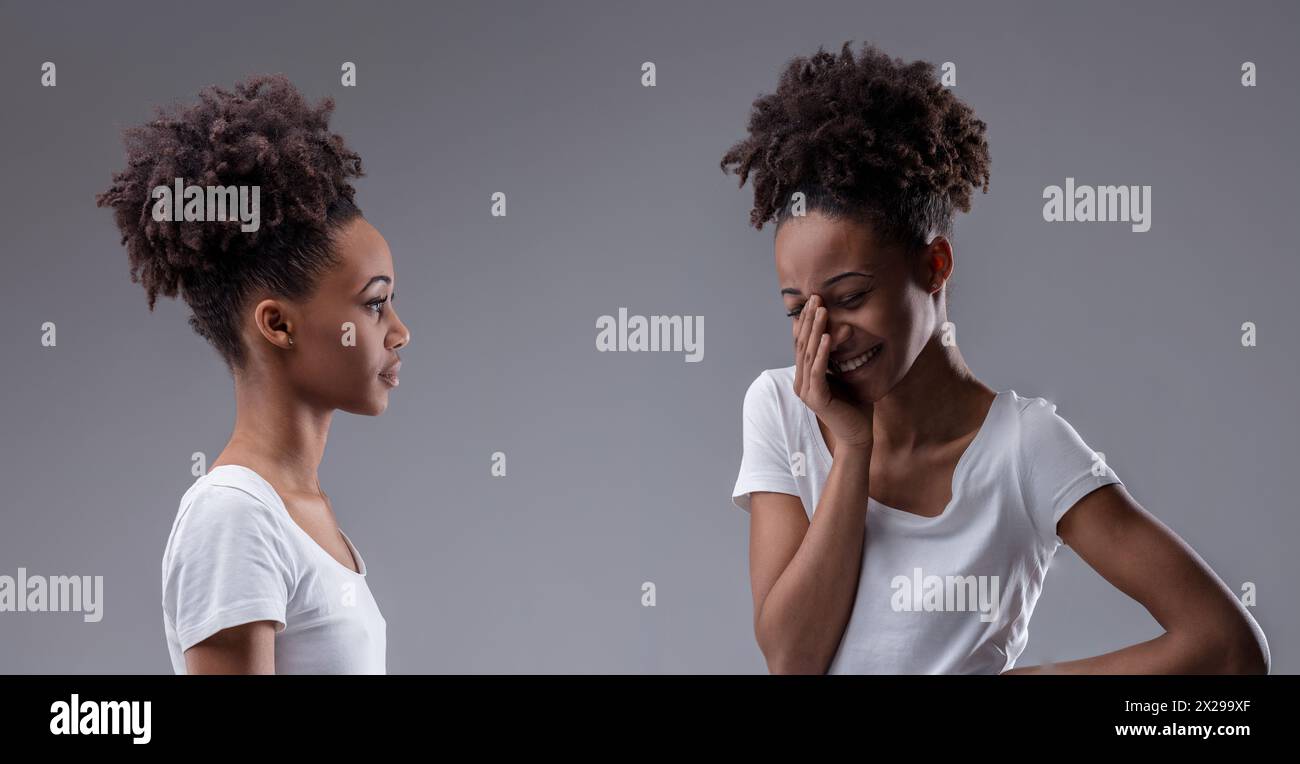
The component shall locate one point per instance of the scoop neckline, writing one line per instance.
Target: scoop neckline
(279, 502)
(810, 420)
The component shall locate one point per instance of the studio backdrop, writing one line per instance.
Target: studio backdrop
(533, 501)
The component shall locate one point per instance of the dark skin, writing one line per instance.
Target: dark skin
(897, 429)
(286, 395)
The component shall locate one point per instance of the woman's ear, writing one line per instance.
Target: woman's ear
(273, 323)
(938, 261)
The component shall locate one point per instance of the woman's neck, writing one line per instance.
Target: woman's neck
(938, 401)
(277, 434)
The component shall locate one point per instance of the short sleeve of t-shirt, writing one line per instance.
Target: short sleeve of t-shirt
(1057, 467)
(765, 462)
(227, 565)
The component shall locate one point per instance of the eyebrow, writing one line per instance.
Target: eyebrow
(828, 282)
(384, 279)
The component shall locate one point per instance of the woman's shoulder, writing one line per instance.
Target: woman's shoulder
(771, 406)
(772, 382)
(229, 479)
(1034, 413)
(1044, 435)
(231, 497)
(228, 514)
(1023, 402)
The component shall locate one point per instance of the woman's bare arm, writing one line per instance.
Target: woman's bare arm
(248, 648)
(805, 575)
(1207, 630)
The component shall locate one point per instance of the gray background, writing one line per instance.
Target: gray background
(620, 464)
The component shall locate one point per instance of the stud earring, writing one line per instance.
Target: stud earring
(291, 342)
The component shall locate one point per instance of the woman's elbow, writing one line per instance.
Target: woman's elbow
(784, 657)
(1251, 656)
(788, 662)
(1246, 650)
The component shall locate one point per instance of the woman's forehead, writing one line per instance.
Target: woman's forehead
(363, 254)
(366, 244)
(808, 253)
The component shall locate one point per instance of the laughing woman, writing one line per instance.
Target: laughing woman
(903, 514)
(257, 576)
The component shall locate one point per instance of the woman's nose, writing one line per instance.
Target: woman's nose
(839, 331)
(402, 333)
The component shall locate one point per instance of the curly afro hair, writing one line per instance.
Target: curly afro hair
(869, 137)
(262, 133)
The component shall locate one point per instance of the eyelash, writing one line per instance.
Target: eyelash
(378, 303)
(843, 303)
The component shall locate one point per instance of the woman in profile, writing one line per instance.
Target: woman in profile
(903, 514)
(257, 575)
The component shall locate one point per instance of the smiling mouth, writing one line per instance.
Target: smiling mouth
(852, 364)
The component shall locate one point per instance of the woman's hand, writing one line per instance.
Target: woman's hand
(846, 414)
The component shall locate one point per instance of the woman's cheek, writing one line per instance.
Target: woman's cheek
(370, 345)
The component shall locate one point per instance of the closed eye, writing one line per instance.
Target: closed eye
(851, 301)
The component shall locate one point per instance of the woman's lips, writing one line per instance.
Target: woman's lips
(389, 375)
(871, 355)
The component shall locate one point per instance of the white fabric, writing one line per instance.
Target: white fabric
(1025, 468)
(235, 555)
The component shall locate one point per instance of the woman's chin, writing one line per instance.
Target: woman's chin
(372, 406)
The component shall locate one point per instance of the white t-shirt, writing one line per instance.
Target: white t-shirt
(947, 594)
(235, 555)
